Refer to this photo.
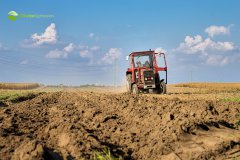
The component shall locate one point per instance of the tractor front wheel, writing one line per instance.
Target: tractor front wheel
(135, 89)
(128, 83)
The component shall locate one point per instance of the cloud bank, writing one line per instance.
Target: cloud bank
(197, 44)
(217, 53)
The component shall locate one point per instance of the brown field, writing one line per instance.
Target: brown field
(193, 121)
(19, 86)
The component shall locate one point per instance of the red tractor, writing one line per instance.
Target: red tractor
(144, 73)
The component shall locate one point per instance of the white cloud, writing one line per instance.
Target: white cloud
(95, 48)
(212, 52)
(85, 53)
(111, 55)
(217, 60)
(61, 53)
(197, 44)
(91, 35)
(217, 30)
(24, 62)
(83, 50)
(49, 36)
(160, 50)
(69, 48)
(56, 54)
(224, 46)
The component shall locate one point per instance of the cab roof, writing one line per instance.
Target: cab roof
(142, 52)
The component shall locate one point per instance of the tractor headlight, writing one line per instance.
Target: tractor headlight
(151, 78)
(145, 78)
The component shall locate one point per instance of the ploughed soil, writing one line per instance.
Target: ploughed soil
(76, 124)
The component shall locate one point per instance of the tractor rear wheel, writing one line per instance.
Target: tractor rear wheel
(135, 89)
(129, 83)
(163, 88)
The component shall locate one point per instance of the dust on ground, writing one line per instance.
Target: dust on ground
(74, 123)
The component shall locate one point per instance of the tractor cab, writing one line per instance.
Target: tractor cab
(143, 73)
(143, 61)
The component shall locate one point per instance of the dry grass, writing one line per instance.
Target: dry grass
(19, 86)
(212, 87)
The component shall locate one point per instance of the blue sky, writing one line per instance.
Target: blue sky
(84, 39)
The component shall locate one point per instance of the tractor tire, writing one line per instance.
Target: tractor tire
(163, 88)
(129, 83)
(135, 89)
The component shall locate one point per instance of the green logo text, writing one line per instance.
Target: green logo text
(12, 15)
